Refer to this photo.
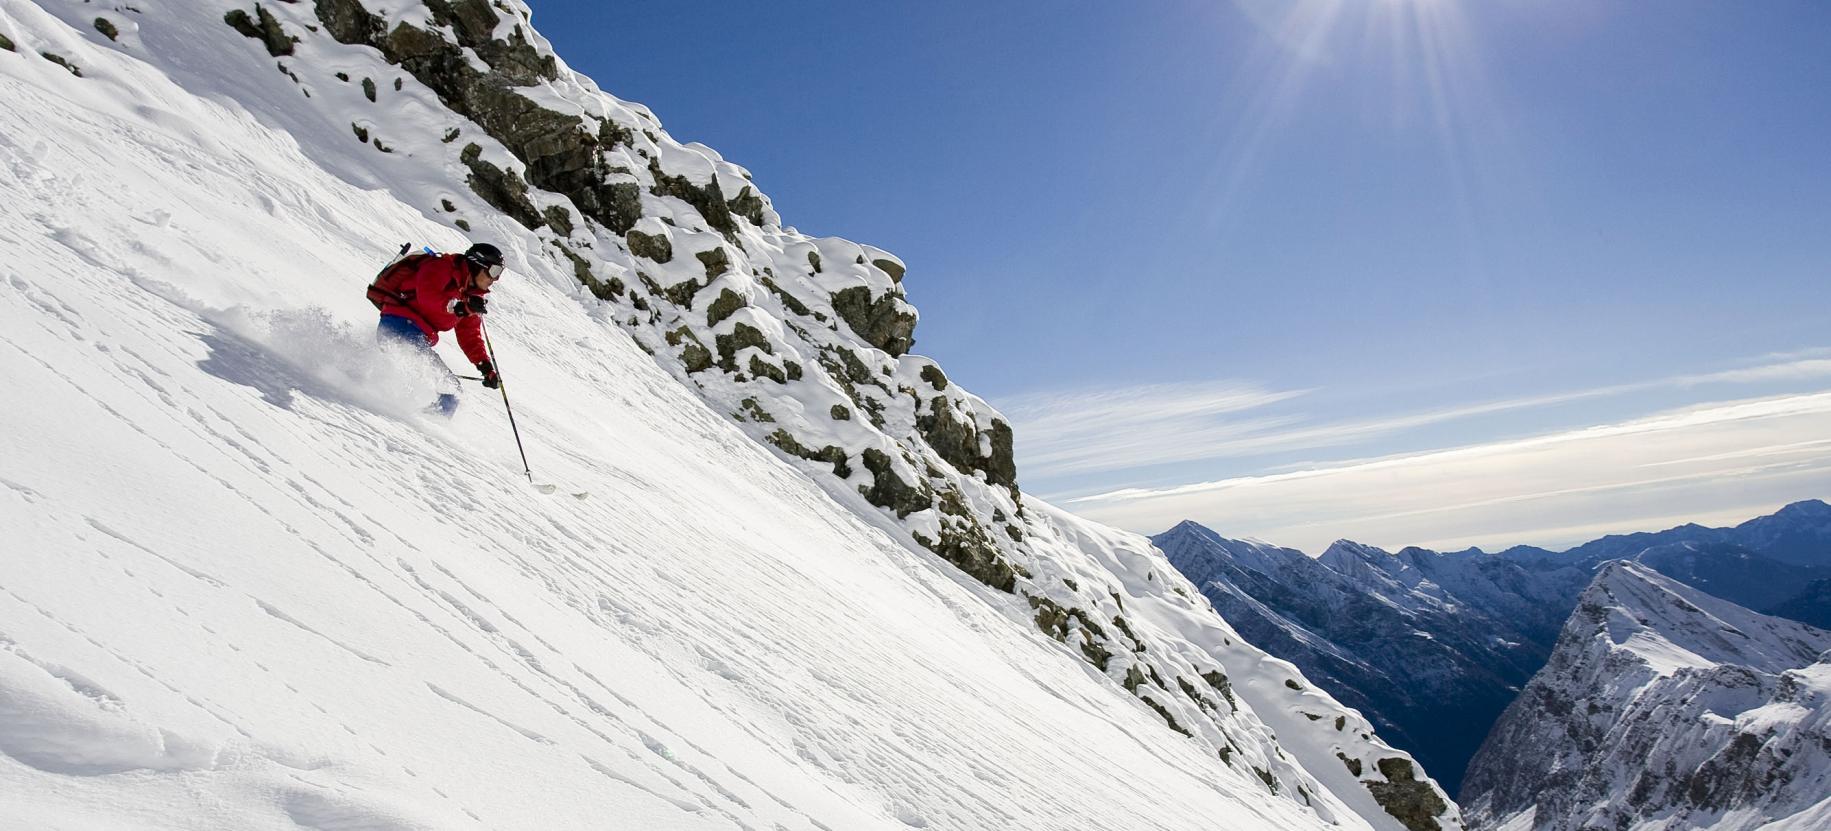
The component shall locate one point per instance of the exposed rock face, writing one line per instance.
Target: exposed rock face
(561, 151)
(890, 267)
(1414, 801)
(888, 490)
(651, 246)
(716, 261)
(62, 61)
(727, 303)
(1665, 706)
(960, 442)
(887, 322)
(263, 26)
(708, 199)
(503, 190)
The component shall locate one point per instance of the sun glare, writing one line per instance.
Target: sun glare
(1409, 67)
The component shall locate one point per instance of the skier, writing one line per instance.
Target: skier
(421, 295)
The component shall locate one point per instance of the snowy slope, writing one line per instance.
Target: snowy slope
(249, 585)
(1663, 707)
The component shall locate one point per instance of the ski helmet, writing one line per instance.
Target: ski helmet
(485, 257)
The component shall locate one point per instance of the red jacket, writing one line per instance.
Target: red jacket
(434, 285)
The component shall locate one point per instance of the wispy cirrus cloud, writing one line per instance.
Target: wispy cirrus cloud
(1713, 462)
(1079, 433)
(1072, 432)
(1798, 367)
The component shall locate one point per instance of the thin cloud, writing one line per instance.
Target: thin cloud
(1786, 357)
(1139, 425)
(1136, 427)
(1680, 419)
(1690, 461)
(1792, 370)
(1813, 446)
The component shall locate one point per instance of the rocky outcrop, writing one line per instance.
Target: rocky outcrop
(958, 440)
(1411, 800)
(263, 26)
(650, 246)
(890, 267)
(888, 490)
(62, 61)
(502, 189)
(708, 199)
(562, 153)
(885, 322)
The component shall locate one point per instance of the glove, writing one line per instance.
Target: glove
(490, 378)
(467, 306)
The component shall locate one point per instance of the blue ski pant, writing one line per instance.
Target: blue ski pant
(397, 328)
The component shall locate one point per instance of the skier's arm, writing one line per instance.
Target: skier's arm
(470, 338)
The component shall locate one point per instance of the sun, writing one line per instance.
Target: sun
(1413, 68)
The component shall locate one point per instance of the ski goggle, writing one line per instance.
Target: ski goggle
(493, 269)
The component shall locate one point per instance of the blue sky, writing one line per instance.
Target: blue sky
(1406, 271)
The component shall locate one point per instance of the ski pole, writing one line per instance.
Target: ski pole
(505, 402)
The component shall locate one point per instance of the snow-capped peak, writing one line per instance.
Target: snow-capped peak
(1663, 707)
(1670, 626)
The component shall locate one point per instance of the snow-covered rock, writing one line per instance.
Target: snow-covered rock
(1663, 707)
(249, 585)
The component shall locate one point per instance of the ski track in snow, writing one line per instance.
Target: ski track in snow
(223, 435)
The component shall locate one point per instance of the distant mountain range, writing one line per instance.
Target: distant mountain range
(1663, 707)
(1432, 647)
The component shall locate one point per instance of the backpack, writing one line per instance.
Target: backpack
(391, 284)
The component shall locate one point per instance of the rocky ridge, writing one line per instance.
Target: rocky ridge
(1663, 707)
